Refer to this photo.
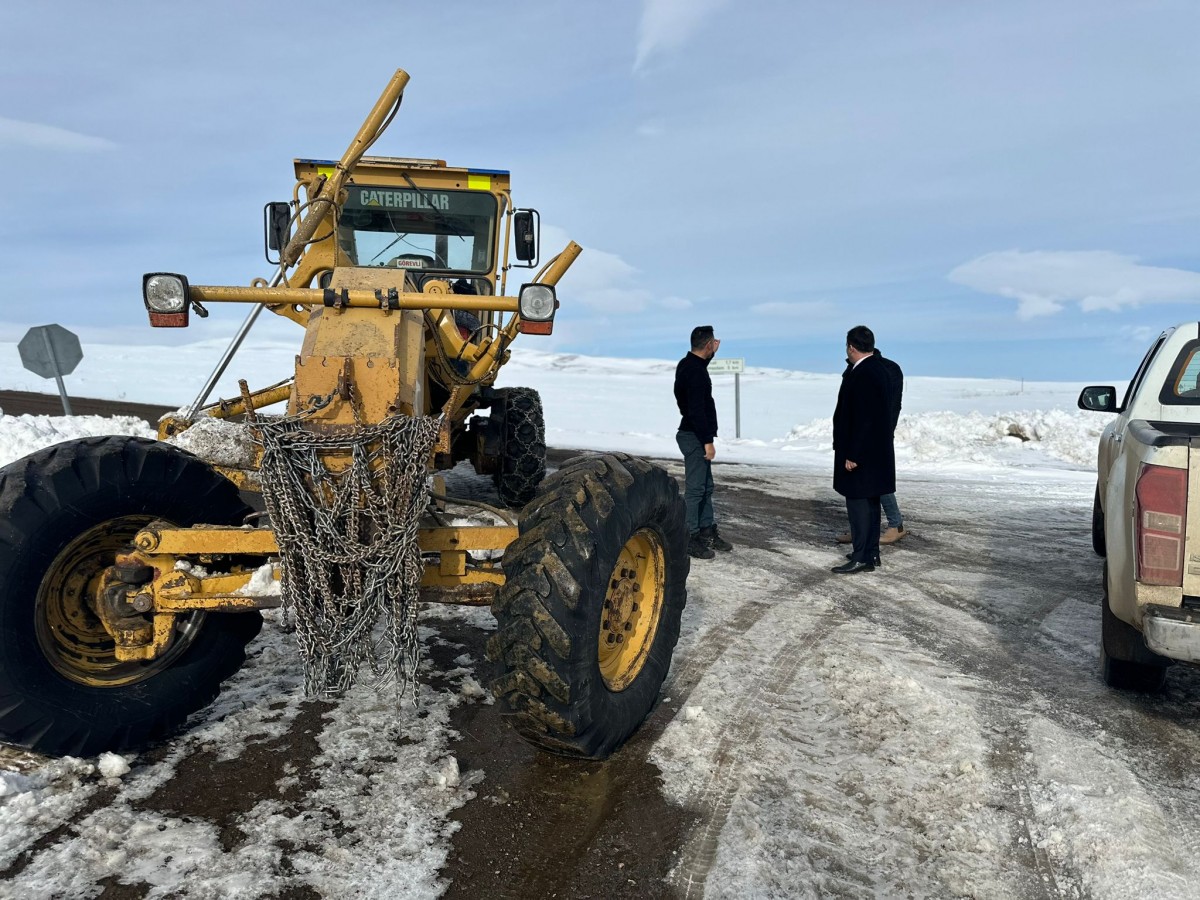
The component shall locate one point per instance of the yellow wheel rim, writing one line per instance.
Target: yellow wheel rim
(632, 608)
(71, 635)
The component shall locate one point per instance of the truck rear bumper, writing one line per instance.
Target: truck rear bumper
(1173, 632)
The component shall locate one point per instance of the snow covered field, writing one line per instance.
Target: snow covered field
(935, 729)
(963, 426)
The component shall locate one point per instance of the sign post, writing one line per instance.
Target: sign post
(735, 366)
(52, 352)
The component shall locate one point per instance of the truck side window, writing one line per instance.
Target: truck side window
(1141, 373)
(1182, 387)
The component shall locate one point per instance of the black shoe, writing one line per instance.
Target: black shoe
(852, 568)
(875, 563)
(698, 549)
(712, 538)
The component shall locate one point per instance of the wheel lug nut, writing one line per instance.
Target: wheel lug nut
(608, 604)
(611, 638)
(633, 607)
(620, 638)
(629, 626)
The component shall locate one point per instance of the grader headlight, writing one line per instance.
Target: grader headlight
(536, 305)
(166, 297)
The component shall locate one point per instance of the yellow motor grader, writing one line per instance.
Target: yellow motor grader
(133, 572)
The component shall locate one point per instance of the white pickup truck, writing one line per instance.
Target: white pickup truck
(1146, 519)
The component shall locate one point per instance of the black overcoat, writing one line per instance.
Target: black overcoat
(862, 432)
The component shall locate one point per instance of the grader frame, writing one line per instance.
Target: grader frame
(373, 347)
(132, 571)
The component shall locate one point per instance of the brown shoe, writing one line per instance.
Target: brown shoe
(892, 535)
(846, 538)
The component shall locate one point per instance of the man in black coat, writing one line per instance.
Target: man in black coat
(864, 456)
(891, 508)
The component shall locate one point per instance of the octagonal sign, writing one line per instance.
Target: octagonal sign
(50, 351)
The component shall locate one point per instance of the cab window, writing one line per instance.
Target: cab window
(1182, 387)
(418, 228)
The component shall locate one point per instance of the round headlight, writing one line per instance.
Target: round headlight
(165, 294)
(536, 302)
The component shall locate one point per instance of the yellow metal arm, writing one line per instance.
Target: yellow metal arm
(559, 265)
(219, 540)
(367, 134)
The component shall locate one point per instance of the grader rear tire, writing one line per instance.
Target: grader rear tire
(589, 614)
(523, 446)
(64, 513)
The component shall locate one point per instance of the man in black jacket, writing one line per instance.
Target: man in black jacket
(697, 431)
(864, 457)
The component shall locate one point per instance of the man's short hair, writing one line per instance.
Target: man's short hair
(861, 338)
(701, 335)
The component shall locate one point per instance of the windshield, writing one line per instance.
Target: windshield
(424, 228)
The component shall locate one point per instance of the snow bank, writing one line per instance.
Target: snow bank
(599, 403)
(944, 441)
(22, 435)
(948, 437)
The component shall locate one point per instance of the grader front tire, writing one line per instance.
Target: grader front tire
(589, 614)
(64, 514)
(523, 446)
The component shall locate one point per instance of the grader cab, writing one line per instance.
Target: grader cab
(133, 572)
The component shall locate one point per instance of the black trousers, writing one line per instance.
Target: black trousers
(864, 527)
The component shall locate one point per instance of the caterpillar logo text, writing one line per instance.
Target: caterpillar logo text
(404, 199)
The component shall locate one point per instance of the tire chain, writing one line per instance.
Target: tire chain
(523, 453)
(348, 545)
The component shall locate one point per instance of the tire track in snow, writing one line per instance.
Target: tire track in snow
(1155, 751)
(1004, 730)
(1009, 754)
(1010, 757)
(710, 645)
(738, 738)
(1009, 608)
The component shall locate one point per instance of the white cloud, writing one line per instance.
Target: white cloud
(779, 309)
(1043, 282)
(1141, 335)
(15, 133)
(598, 279)
(675, 304)
(667, 24)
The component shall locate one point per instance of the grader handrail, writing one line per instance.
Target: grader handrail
(289, 296)
(352, 298)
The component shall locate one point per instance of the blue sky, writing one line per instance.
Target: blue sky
(998, 190)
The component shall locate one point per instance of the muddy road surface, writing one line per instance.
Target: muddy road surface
(935, 728)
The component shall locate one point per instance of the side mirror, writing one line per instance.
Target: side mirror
(277, 228)
(1099, 399)
(526, 225)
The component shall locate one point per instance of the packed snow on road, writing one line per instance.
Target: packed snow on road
(936, 728)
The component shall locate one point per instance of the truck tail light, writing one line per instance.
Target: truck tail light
(1161, 516)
